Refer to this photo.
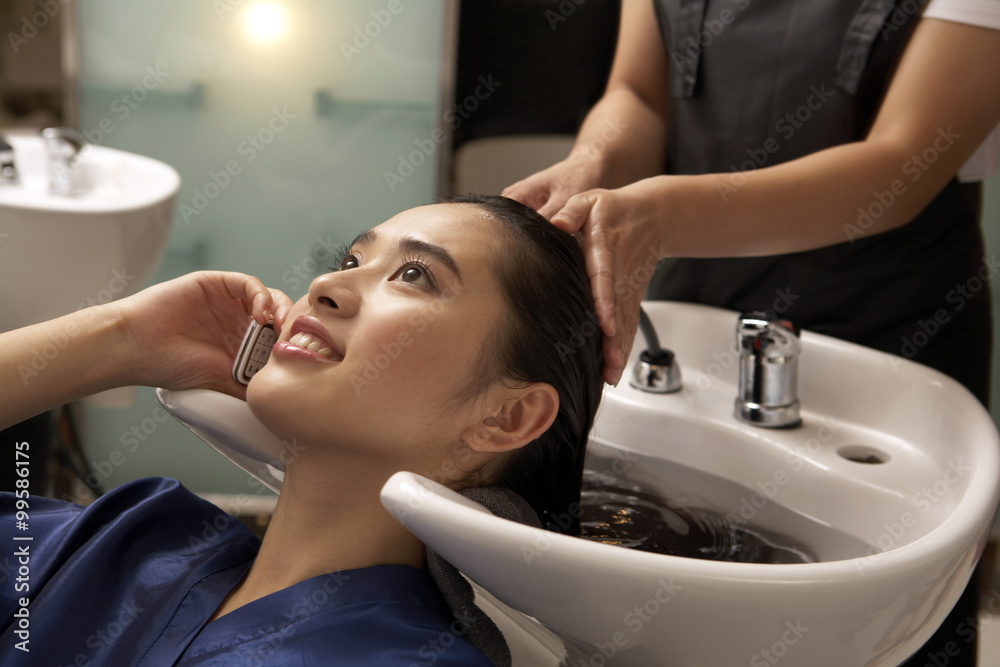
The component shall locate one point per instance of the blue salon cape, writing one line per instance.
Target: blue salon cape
(133, 579)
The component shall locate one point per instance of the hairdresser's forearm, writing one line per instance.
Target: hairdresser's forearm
(55, 362)
(837, 195)
(627, 127)
(929, 124)
(624, 137)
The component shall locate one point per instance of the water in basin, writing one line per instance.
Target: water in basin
(668, 508)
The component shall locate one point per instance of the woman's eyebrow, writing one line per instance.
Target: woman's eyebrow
(410, 244)
(364, 238)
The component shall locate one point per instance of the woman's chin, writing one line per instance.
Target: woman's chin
(266, 404)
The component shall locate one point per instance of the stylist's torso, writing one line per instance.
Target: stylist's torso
(755, 83)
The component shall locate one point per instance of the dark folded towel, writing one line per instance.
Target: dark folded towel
(475, 625)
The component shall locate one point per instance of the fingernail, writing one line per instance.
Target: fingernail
(609, 317)
(618, 376)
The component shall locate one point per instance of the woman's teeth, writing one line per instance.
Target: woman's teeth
(310, 342)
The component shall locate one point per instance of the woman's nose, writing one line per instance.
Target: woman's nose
(334, 293)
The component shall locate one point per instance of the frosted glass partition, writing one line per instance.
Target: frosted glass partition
(294, 124)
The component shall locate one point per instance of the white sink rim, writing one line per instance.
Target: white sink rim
(160, 181)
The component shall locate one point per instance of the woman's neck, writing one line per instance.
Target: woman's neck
(324, 524)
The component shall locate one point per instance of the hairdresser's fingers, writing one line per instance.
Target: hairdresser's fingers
(565, 185)
(573, 215)
(611, 371)
(549, 190)
(630, 324)
(552, 206)
(618, 347)
(593, 215)
(530, 191)
(602, 265)
(558, 192)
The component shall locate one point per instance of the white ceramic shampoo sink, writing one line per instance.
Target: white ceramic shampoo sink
(891, 481)
(61, 253)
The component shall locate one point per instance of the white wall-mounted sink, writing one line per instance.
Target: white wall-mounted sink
(895, 542)
(60, 253)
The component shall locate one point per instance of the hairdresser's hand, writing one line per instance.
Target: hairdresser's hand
(547, 191)
(622, 243)
(186, 332)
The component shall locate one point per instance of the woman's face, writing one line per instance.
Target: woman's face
(368, 363)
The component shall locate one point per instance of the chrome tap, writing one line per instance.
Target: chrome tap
(63, 146)
(768, 371)
(657, 370)
(8, 172)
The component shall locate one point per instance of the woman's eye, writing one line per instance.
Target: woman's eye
(414, 275)
(350, 262)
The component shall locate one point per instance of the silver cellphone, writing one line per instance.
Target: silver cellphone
(254, 352)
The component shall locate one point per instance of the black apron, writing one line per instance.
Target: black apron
(758, 82)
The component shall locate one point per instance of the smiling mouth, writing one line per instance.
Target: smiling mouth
(307, 341)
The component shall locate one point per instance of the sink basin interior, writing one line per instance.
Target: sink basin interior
(701, 515)
(825, 470)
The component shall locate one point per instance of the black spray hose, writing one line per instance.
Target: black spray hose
(653, 354)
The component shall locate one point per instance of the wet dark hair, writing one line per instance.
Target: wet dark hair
(550, 334)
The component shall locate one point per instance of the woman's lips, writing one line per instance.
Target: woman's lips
(309, 340)
(284, 348)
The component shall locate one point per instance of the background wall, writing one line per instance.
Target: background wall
(282, 144)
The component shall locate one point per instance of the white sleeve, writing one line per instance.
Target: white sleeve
(984, 13)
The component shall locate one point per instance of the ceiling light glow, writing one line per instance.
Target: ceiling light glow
(265, 21)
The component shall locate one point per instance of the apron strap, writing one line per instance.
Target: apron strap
(687, 50)
(874, 18)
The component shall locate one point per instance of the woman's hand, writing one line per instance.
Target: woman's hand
(622, 244)
(548, 190)
(179, 334)
(186, 332)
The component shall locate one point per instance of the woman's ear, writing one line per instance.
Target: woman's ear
(514, 419)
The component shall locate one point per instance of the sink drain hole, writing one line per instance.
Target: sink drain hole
(863, 454)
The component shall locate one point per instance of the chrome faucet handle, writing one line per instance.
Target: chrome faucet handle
(63, 145)
(768, 371)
